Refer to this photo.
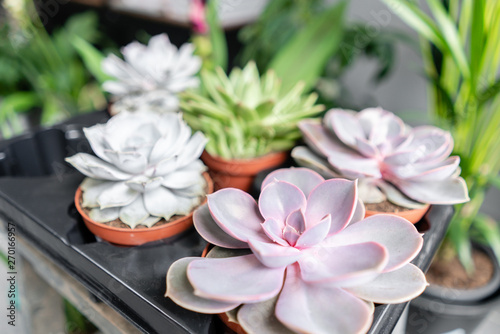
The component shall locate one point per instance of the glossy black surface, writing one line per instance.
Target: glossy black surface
(36, 193)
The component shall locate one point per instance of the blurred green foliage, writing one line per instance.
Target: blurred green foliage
(43, 75)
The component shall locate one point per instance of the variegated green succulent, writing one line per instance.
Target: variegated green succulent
(245, 115)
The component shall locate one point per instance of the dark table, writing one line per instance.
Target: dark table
(36, 194)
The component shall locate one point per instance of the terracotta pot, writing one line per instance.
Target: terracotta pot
(135, 237)
(234, 327)
(413, 215)
(240, 173)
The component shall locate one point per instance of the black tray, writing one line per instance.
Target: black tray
(36, 193)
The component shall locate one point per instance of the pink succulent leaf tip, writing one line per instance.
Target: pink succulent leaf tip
(197, 17)
(309, 251)
(408, 166)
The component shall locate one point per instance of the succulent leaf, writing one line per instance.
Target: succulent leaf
(91, 189)
(409, 167)
(402, 241)
(238, 282)
(346, 265)
(409, 279)
(320, 308)
(104, 215)
(259, 318)
(180, 290)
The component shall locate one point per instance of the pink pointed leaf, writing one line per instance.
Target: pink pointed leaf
(307, 308)
(273, 255)
(393, 287)
(259, 318)
(343, 265)
(366, 148)
(296, 220)
(236, 213)
(290, 235)
(320, 139)
(359, 213)
(315, 234)
(437, 172)
(334, 197)
(304, 178)
(448, 191)
(346, 126)
(242, 279)
(181, 292)
(354, 165)
(207, 227)
(399, 237)
(274, 230)
(278, 199)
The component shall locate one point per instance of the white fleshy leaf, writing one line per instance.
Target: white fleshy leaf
(134, 213)
(104, 215)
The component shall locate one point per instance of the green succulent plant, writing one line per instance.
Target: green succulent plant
(245, 115)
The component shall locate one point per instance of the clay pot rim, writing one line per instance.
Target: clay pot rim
(177, 221)
(417, 212)
(247, 161)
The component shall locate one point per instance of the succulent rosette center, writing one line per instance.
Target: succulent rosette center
(314, 264)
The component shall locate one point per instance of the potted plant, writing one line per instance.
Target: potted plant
(304, 259)
(461, 57)
(44, 80)
(146, 179)
(249, 120)
(400, 170)
(150, 77)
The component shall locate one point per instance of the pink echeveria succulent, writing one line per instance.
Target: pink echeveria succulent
(410, 167)
(314, 264)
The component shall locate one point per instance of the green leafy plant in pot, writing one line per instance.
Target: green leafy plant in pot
(249, 120)
(459, 43)
(146, 179)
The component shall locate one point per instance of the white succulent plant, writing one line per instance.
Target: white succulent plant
(151, 76)
(147, 168)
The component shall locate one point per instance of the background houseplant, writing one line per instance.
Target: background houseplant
(147, 169)
(42, 75)
(462, 59)
(332, 257)
(395, 164)
(246, 116)
(459, 43)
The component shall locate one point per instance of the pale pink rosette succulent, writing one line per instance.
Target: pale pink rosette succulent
(314, 264)
(410, 167)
